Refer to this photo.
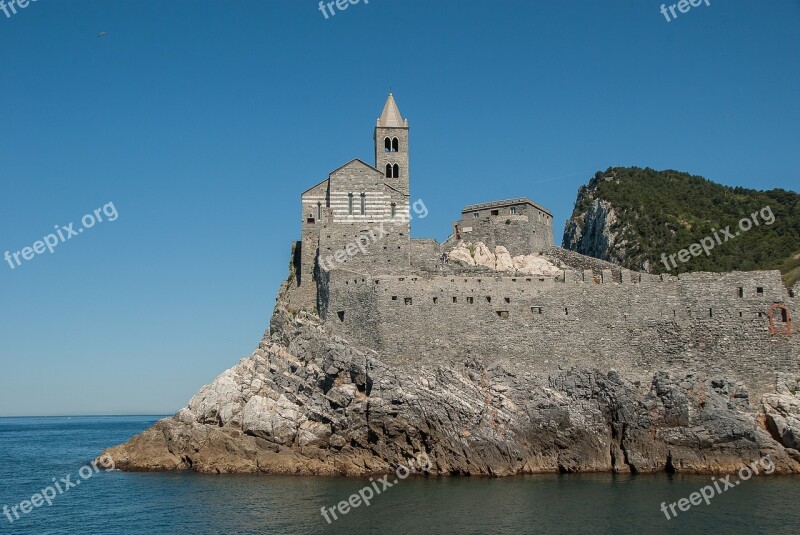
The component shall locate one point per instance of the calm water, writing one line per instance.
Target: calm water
(33, 451)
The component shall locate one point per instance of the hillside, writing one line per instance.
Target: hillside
(633, 216)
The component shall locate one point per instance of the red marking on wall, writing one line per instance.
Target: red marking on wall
(780, 322)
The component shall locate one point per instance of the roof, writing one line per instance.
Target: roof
(359, 160)
(391, 114)
(506, 202)
(314, 186)
(362, 162)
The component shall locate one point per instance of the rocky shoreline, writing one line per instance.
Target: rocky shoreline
(308, 403)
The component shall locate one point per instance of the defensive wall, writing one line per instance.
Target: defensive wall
(717, 323)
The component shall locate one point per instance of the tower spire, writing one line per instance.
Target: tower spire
(391, 114)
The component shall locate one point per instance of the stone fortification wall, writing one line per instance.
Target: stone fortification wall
(715, 323)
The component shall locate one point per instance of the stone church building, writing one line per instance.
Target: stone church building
(366, 208)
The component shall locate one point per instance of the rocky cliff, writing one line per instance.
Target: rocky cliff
(306, 402)
(632, 216)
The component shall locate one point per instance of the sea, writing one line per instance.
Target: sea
(37, 453)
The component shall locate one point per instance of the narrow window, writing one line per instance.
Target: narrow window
(395, 145)
(396, 171)
(341, 315)
(488, 299)
(363, 204)
(741, 292)
(319, 210)
(350, 203)
(475, 215)
(394, 210)
(435, 300)
(388, 170)
(710, 312)
(455, 299)
(513, 210)
(470, 300)
(387, 145)
(566, 311)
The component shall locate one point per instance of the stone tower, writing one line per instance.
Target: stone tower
(391, 146)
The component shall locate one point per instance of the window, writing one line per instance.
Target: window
(779, 320)
(319, 210)
(396, 169)
(407, 300)
(741, 292)
(470, 300)
(395, 145)
(350, 203)
(475, 215)
(341, 315)
(387, 145)
(435, 300)
(363, 204)
(536, 310)
(513, 210)
(394, 210)
(495, 212)
(760, 290)
(388, 170)
(502, 314)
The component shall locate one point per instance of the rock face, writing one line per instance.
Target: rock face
(595, 232)
(478, 254)
(306, 402)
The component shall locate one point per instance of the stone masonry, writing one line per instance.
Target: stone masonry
(401, 297)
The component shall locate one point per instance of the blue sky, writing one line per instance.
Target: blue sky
(203, 121)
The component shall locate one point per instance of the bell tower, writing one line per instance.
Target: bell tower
(391, 146)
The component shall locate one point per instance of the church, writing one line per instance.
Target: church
(358, 202)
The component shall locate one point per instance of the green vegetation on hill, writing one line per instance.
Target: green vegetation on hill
(666, 211)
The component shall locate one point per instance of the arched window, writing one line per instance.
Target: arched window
(363, 204)
(395, 145)
(387, 145)
(394, 210)
(319, 210)
(388, 170)
(350, 203)
(396, 169)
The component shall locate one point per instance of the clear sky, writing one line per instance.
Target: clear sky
(203, 121)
